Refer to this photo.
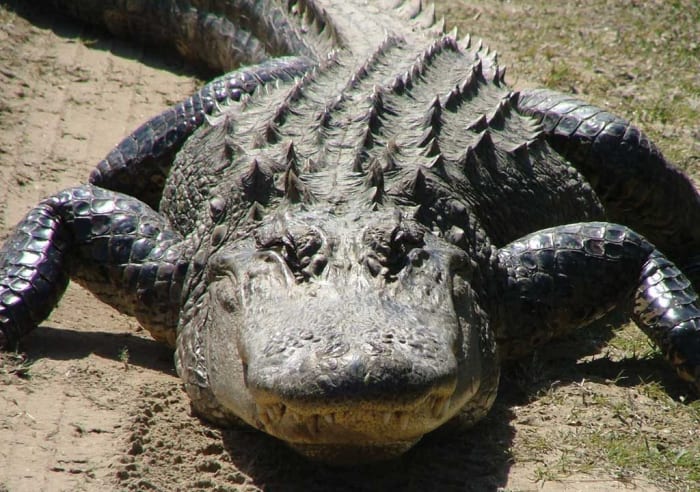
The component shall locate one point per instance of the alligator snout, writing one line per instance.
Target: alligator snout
(348, 372)
(353, 403)
(347, 364)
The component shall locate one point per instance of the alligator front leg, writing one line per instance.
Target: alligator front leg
(111, 243)
(139, 164)
(637, 185)
(557, 279)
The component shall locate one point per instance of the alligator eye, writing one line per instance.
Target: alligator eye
(390, 250)
(300, 250)
(310, 257)
(406, 237)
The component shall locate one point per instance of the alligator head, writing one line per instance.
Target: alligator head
(347, 337)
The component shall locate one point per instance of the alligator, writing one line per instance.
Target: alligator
(345, 236)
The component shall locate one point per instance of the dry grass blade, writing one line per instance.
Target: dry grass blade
(14, 364)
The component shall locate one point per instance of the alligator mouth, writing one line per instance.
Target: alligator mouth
(353, 433)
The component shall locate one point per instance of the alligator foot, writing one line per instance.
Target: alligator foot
(558, 279)
(123, 251)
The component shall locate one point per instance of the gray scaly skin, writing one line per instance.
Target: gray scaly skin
(355, 233)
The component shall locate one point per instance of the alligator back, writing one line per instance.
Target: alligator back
(414, 124)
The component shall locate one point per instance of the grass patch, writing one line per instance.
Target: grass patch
(630, 341)
(587, 429)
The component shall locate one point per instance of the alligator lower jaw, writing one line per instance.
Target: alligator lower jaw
(353, 454)
(353, 435)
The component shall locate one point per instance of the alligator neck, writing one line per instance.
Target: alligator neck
(359, 27)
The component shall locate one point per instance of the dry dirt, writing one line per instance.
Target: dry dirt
(102, 408)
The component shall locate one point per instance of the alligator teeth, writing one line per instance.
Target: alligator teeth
(270, 414)
(403, 420)
(312, 425)
(279, 410)
(440, 407)
(262, 415)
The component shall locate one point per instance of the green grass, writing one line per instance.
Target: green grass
(635, 436)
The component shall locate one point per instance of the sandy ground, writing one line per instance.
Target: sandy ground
(103, 408)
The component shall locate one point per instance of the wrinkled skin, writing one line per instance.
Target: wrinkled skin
(350, 239)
